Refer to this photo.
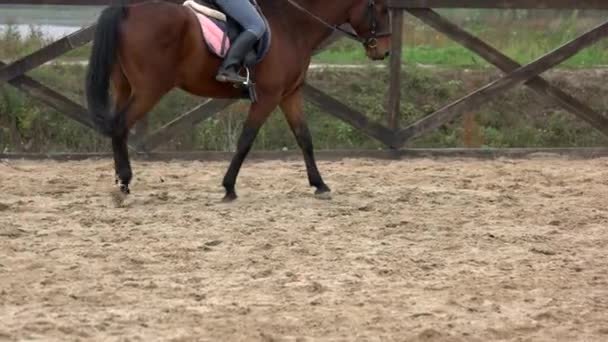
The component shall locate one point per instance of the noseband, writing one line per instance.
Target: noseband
(370, 42)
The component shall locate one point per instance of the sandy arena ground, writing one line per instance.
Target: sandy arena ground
(419, 250)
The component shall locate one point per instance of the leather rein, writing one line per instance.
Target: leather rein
(370, 42)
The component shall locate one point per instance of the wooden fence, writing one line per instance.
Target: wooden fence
(389, 132)
(514, 73)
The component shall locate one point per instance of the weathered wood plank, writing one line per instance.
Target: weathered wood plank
(47, 53)
(185, 121)
(504, 4)
(486, 93)
(394, 91)
(348, 115)
(506, 64)
(51, 98)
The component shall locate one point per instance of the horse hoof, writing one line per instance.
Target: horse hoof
(230, 196)
(323, 192)
(125, 189)
(118, 197)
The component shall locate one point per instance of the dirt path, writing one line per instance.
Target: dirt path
(423, 250)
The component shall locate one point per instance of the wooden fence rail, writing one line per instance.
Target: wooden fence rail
(389, 133)
(515, 74)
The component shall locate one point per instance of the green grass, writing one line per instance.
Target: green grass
(521, 37)
(458, 56)
(522, 40)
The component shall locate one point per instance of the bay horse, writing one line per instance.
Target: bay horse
(142, 51)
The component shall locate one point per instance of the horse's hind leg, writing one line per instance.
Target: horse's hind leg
(293, 108)
(139, 100)
(122, 166)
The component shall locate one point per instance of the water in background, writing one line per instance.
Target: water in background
(53, 21)
(51, 31)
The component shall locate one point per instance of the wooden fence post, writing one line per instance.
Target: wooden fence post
(394, 99)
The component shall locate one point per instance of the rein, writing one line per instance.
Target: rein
(370, 41)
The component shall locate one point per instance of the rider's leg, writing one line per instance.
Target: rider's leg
(253, 25)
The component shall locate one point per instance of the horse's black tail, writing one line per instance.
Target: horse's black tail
(101, 62)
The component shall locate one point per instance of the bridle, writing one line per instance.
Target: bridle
(370, 42)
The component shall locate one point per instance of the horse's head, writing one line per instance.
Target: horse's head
(371, 21)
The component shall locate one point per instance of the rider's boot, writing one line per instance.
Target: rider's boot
(229, 70)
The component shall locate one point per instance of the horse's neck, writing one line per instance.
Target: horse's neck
(305, 31)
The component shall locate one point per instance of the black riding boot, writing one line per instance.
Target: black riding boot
(229, 70)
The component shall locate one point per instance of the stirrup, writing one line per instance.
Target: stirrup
(247, 82)
(248, 85)
(226, 77)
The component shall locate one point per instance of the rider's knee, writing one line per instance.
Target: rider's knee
(257, 30)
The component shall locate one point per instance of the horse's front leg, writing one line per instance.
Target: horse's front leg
(258, 113)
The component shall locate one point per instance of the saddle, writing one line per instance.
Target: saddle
(219, 29)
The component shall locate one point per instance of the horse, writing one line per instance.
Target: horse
(142, 51)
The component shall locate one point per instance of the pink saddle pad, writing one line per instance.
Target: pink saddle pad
(217, 40)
